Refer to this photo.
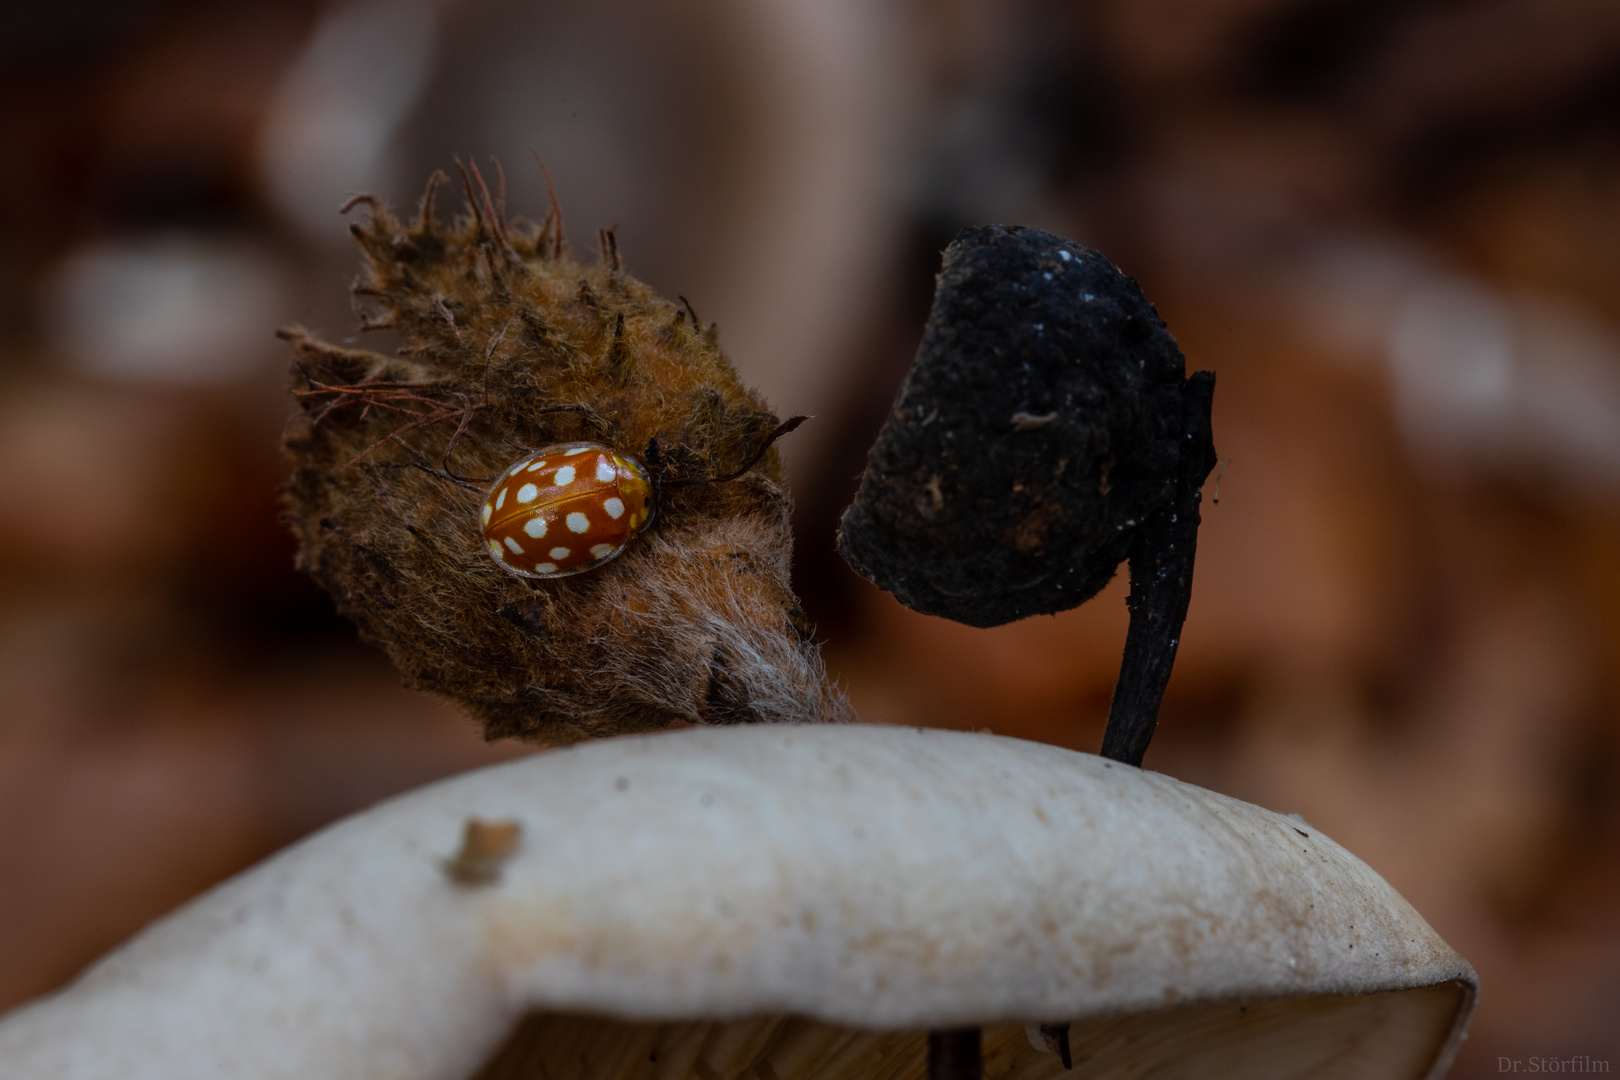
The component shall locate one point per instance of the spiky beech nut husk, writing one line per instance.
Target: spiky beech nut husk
(511, 345)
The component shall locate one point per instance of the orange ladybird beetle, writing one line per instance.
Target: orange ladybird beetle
(573, 506)
(566, 509)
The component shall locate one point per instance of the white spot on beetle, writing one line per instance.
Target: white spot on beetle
(564, 477)
(578, 522)
(527, 492)
(576, 450)
(546, 568)
(614, 507)
(536, 466)
(535, 527)
(488, 510)
(514, 545)
(495, 550)
(605, 472)
(602, 551)
(559, 553)
(500, 500)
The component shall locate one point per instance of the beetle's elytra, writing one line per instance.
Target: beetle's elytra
(566, 509)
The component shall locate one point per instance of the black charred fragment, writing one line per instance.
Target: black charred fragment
(1047, 432)
(970, 510)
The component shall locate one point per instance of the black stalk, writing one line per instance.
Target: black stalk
(953, 1054)
(1161, 564)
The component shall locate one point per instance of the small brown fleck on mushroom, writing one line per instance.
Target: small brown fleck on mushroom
(485, 848)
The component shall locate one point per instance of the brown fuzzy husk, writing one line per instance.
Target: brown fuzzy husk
(512, 345)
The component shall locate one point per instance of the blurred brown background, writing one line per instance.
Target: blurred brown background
(1392, 227)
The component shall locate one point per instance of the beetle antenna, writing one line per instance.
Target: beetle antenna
(468, 482)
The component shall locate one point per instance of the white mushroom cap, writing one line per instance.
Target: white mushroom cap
(882, 879)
